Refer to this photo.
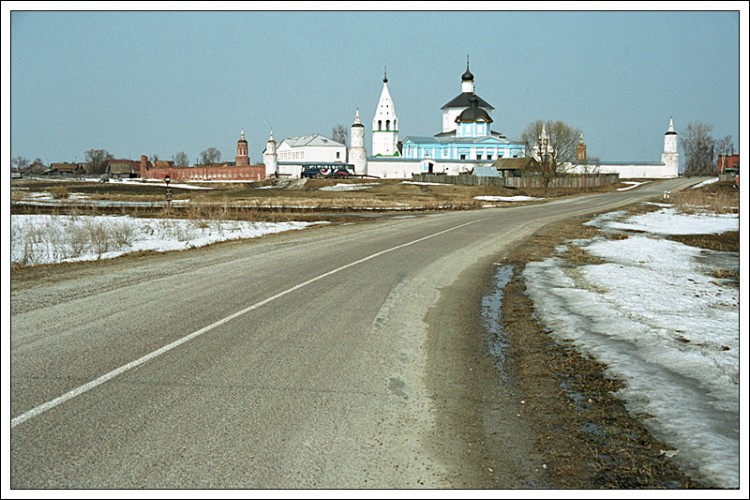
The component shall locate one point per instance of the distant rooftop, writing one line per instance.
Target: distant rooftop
(310, 140)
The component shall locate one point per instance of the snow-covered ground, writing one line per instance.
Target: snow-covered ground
(45, 199)
(705, 183)
(631, 185)
(656, 314)
(341, 186)
(45, 239)
(507, 198)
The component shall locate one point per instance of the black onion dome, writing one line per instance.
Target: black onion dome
(474, 113)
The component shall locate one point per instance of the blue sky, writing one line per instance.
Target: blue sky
(157, 83)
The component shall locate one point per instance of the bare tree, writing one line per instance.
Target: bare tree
(98, 159)
(19, 162)
(339, 134)
(155, 157)
(699, 149)
(181, 159)
(593, 165)
(210, 155)
(724, 147)
(553, 145)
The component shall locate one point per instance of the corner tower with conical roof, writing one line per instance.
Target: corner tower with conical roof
(385, 125)
(270, 158)
(670, 157)
(357, 150)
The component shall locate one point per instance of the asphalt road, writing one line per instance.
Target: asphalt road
(296, 361)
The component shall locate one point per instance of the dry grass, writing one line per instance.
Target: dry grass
(723, 242)
(720, 198)
(732, 275)
(300, 196)
(579, 257)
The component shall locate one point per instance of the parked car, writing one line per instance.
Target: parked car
(313, 172)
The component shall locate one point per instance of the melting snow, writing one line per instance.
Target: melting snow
(654, 314)
(350, 187)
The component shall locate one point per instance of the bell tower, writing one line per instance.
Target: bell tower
(581, 149)
(385, 125)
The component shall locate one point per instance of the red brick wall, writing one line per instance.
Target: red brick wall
(249, 173)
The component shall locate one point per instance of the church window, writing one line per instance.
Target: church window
(338, 155)
(479, 156)
(395, 124)
(380, 124)
(388, 125)
(462, 156)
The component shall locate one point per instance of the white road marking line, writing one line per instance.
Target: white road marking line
(148, 357)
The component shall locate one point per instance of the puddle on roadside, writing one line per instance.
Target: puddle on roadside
(492, 307)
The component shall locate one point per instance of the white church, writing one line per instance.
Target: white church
(467, 141)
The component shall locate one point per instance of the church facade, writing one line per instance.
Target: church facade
(467, 133)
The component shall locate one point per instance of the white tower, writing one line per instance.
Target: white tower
(542, 147)
(385, 125)
(357, 150)
(670, 157)
(270, 158)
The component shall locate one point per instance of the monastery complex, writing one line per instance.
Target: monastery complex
(468, 143)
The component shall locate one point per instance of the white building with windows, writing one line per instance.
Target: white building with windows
(311, 148)
(293, 154)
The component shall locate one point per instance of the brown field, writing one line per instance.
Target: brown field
(238, 200)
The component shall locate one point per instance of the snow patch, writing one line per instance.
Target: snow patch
(633, 185)
(705, 183)
(46, 239)
(506, 198)
(662, 324)
(350, 187)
